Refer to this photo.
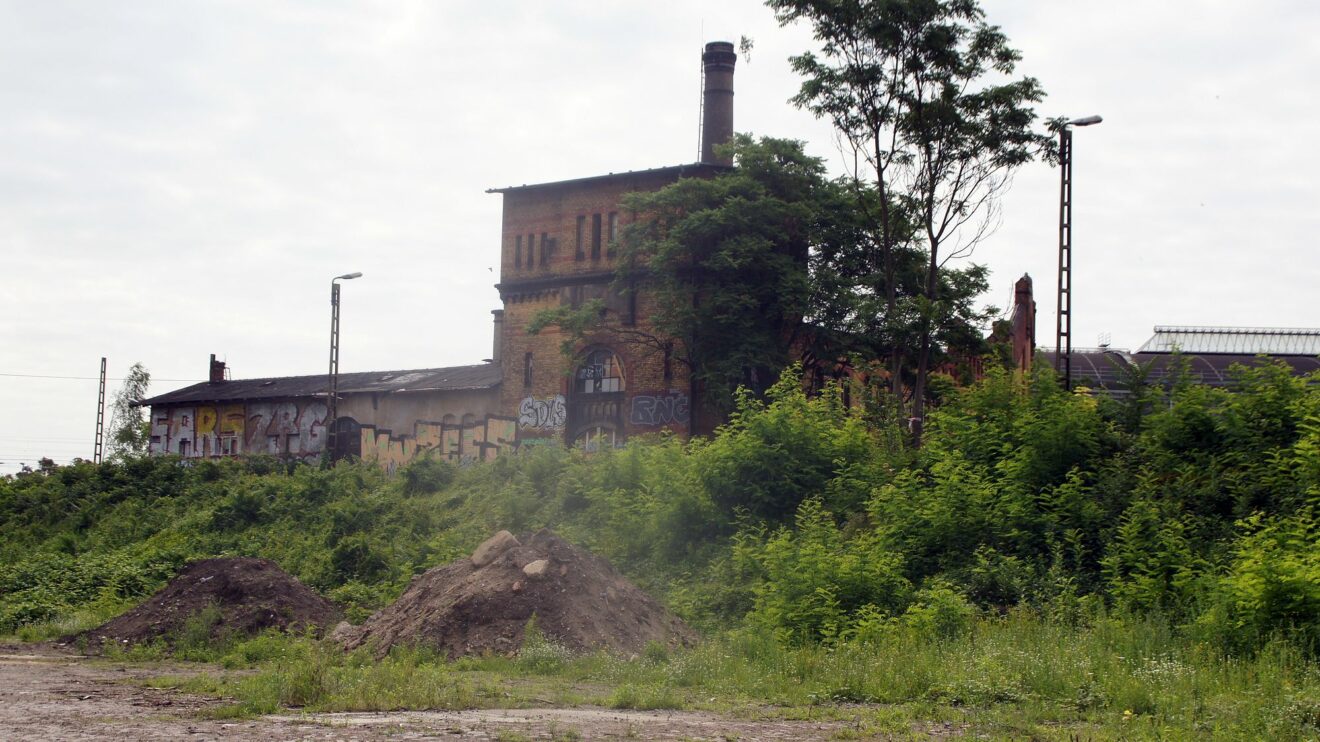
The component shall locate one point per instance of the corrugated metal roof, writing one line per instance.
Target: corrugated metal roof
(453, 378)
(1104, 370)
(1275, 341)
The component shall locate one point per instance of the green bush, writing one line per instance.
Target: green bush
(1271, 587)
(939, 611)
(814, 582)
(426, 475)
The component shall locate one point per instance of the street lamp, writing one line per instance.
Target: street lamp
(1063, 317)
(331, 406)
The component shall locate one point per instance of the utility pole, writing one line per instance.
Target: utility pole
(100, 418)
(332, 403)
(1063, 317)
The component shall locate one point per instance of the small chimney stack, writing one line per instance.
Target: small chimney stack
(497, 350)
(717, 100)
(217, 370)
(1024, 323)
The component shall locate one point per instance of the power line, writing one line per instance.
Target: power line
(85, 378)
(40, 438)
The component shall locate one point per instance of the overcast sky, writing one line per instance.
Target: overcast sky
(180, 178)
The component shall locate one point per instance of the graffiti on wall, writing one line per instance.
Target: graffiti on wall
(285, 428)
(661, 408)
(298, 430)
(294, 429)
(172, 431)
(460, 443)
(543, 414)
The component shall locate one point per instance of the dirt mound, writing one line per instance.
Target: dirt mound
(482, 604)
(250, 595)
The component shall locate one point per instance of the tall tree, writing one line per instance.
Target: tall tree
(130, 430)
(721, 268)
(912, 86)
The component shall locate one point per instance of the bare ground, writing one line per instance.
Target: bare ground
(51, 694)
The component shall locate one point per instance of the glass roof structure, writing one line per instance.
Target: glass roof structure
(1274, 341)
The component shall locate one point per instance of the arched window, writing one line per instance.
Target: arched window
(600, 372)
(596, 438)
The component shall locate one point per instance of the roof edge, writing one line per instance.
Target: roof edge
(679, 170)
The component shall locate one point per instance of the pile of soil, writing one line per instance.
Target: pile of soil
(483, 603)
(251, 595)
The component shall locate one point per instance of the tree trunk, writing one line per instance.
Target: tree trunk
(923, 356)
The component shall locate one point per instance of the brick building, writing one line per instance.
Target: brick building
(557, 248)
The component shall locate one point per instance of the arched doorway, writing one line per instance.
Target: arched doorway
(595, 400)
(348, 439)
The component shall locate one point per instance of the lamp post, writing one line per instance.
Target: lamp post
(332, 416)
(1063, 317)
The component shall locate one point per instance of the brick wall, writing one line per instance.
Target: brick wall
(550, 407)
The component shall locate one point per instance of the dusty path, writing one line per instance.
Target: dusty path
(48, 694)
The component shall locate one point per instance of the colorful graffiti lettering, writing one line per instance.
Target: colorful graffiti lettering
(172, 431)
(298, 430)
(659, 409)
(481, 440)
(543, 414)
(207, 441)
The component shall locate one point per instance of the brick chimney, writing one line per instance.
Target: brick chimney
(497, 350)
(217, 370)
(717, 100)
(1024, 324)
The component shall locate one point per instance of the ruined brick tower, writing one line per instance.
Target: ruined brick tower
(558, 249)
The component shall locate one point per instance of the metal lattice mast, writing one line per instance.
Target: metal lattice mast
(331, 411)
(1063, 318)
(332, 400)
(100, 418)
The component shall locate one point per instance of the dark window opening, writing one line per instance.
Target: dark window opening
(595, 236)
(629, 317)
(527, 369)
(612, 235)
(669, 361)
(581, 229)
(600, 372)
(517, 252)
(545, 249)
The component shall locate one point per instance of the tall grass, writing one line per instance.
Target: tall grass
(1017, 675)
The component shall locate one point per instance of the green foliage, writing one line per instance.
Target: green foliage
(797, 519)
(726, 261)
(426, 475)
(574, 322)
(921, 90)
(1016, 675)
(538, 654)
(939, 611)
(130, 431)
(770, 457)
(1271, 587)
(816, 582)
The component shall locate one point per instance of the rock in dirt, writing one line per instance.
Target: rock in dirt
(493, 547)
(249, 595)
(579, 600)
